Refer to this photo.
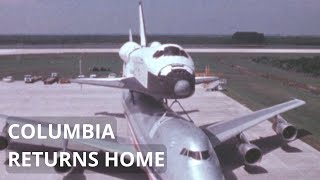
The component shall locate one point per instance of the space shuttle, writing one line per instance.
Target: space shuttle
(163, 71)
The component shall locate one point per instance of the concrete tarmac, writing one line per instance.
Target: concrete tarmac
(296, 160)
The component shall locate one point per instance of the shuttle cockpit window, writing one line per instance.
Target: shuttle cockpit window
(170, 51)
(158, 54)
(197, 155)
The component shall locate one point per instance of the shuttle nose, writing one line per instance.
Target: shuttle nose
(182, 88)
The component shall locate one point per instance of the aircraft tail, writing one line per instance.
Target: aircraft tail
(143, 39)
(130, 36)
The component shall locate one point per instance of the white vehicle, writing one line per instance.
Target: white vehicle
(8, 79)
(27, 78)
(112, 75)
(54, 75)
(92, 76)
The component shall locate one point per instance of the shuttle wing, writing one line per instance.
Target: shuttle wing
(221, 132)
(206, 79)
(122, 82)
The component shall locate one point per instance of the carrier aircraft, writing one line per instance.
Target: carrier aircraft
(153, 73)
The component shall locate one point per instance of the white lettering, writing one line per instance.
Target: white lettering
(82, 160)
(23, 131)
(87, 131)
(114, 158)
(58, 135)
(68, 133)
(123, 157)
(37, 154)
(40, 136)
(107, 131)
(92, 158)
(158, 159)
(64, 159)
(13, 158)
(54, 159)
(144, 160)
(24, 158)
(10, 131)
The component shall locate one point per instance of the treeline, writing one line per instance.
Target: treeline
(248, 38)
(112, 39)
(308, 65)
(251, 38)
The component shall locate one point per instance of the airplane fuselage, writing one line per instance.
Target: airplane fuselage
(188, 148)
(162, 71)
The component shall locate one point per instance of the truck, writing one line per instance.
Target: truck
(31, 79)
(53, 79)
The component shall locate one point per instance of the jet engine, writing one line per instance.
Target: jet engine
(126, 49)
(287, 131)
(250, 153)
(64, 168)
(4, 141)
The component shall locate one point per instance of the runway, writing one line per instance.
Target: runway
(294, 161)
(31, 51)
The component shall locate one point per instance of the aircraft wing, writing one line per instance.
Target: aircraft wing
(223, 131)
(121, 82)
(121, 145)
(109, 146)
(206, 79)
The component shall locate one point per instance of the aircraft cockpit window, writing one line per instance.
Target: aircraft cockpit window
(170, 51)
(197, 155)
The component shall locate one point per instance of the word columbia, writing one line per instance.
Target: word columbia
(57, 131)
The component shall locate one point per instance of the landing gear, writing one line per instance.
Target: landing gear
(165, 101)
(180, 105)
(132, 96)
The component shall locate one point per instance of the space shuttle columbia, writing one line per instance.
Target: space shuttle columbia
(160, 70)
(153, 73)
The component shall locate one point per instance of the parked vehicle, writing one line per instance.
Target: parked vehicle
(8, 79)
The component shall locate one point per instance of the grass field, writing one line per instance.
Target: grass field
(258, 92)
(65, 65)
(253, 91)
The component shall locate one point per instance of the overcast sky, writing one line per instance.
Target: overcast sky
(286, 17)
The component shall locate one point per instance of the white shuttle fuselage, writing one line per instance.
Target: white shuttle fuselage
(165, 71)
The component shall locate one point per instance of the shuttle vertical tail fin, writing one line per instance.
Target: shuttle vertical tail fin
(143, 39)
(130, 35)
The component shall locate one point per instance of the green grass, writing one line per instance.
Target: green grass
(307, 65)
(65, 65)
(256, 92)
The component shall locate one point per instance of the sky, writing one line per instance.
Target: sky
(275, 17)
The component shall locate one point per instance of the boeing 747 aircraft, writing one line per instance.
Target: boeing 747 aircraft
(156, 72)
